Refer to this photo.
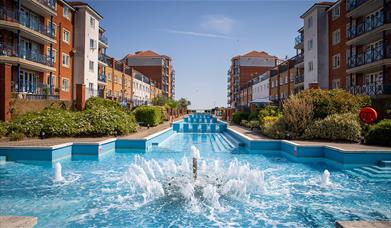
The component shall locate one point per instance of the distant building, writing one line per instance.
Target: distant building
(141, 89)
(260, 89)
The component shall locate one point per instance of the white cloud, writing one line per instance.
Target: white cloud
(191, 33)
(218, 23)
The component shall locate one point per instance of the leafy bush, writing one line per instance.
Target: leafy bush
(298, 114)
(328, 102)
(95, 102)
(269, 110)
(164, 113)
(244, 123)
(274, 127)
(3, 129)
(237, 117)
(380, 133)
(149, 115)
(253, 116)
(16, 136)
(253, 124)
(335, 127)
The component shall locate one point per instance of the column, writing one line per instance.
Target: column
(5, 91)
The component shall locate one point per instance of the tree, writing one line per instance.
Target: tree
(160, 100)
(183, 103)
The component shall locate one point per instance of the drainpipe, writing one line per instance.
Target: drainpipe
(51, 56)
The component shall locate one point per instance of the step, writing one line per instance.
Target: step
(371, 175)
(236, 142)
(385, 164)
(225, 144)
(218, 145)
(230, 144)
(353, 173)
(3, 160)
(374, 170)
(211, 143)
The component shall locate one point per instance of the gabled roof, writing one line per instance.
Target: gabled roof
(319, 4)
(147, 53)
(258, 54)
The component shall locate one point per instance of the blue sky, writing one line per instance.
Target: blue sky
(201, 37)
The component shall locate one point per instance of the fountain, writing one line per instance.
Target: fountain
(326, 178)
(57, 172)
(196, 156)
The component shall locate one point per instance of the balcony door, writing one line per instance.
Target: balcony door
(28, 82)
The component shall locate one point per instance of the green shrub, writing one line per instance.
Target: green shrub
(95, 102)
(380, 133)
(298, 114)
(253, 124)
(3, 129)
(274, 127)
(253, 116)
(16, 136)
(164, 113)
(335, 127)
(237, 117)
(106, 121)
(328, 102)
(244, 123)
(149, 115)
(268, 111)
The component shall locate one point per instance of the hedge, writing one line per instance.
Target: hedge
(95, 102)
(3, 129)
(148, 115)
(335, 127)
(380, 133)
(237, 117)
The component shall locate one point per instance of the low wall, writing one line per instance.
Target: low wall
(20, 107)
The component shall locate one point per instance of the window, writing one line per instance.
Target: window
(91, 66)
(310, 66)
(336, 84)
(309, 21)
(52, 28)
(65, 60)
(65, 85)
(336, 36)
(336, 61)
(92, 22)
(53, 80)
(336, 12)
(65, 36)
(66, 13)
(109, 76)
(310, 44)
(93, 44)
(53, 54)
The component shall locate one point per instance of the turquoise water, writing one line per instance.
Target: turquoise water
(114, 192)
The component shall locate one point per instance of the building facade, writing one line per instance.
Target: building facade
(141, 89)
(157, 67)
(299, 62)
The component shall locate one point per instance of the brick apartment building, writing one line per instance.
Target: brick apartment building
(157, 67)
(243, 69)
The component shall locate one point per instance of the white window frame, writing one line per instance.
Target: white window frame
(92, 22)
(336, 12)
(336, 36)
(310, 66)
(63, 36)
(65, 89)
(310, 44)
(336, 61)
(310, 22)
(54, 53)
(91, 63)
(66, 12)
(67, 57)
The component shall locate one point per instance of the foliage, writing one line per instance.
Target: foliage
(160, 100)
(380, 133)
(99, 102)
(149, 115)
(237, 117)
(274, 127)
(244, 123)
(269, 110)
(3, 129)
(16, 136)
(298, 114)
(253, 124)
(253, 115)
(183, 103)
(164, 113)
(335, 127)
(328, 102)
(172, 104)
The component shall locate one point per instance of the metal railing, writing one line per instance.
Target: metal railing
(102, 77)
(33, 90)
(299, 58)
(11, 50)
(118, 66)
(22, 18)
(367, 26)
(299, 79)
(299, 39)
(103, 58)
(103, 39)
(371, 89)
(369, 56)
(49, 3)
(352, 4)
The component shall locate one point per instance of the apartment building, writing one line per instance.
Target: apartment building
(260, 90)
(316, 73)
(119, 82)
(158, 68)
(86, 41)
(242, 70)
(27, 36)
(299, 62)
(274, 89)
(103, 61)
(368, 48)
(141, 89)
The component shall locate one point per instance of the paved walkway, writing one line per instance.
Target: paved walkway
(363, 224)
(17, 221)
(345, 146)
(141, 133)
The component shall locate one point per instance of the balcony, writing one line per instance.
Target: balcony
(102, 77)
(32, 89)
(45, 8)
(299, 42)
(27, 58)
(299, 58)
(370, 56)
(30, 27)
(103, 58)
(103, 39)
(372, 89)
(366, 27)
(353, 4)
(299, 79)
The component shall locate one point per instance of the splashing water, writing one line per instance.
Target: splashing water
(326, 178)
(58, 172)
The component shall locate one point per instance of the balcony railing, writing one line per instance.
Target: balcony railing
(370, 56)
(22, 18)
(352, 4)
(371, 89)
(103, 58)
(104, 39)
(299, 39)
(118, 66)
(299, 58)
(102, 77)
(299, 79)
(32, 89)
(11, 50)
(49, 3)
(367, 26)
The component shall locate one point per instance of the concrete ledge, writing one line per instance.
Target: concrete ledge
(363, 224)
(18, 221)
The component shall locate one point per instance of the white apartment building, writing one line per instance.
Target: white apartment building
(141, 89)
(316, 45)
(86, 47)
(260, 90)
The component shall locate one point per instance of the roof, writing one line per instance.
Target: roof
(319, 4)
(67, 4)
(258, 54)
(147, 53)
(80, 4)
